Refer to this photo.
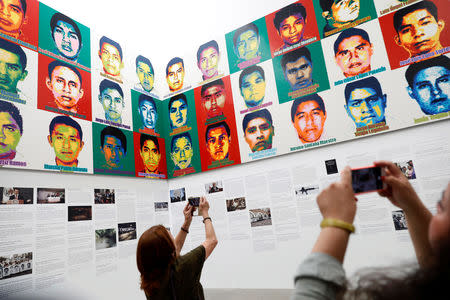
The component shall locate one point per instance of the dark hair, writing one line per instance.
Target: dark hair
(326, 4)
(16, 49)
(155, 254)
(349, 33)
(58, 63)
(66, 121)
(211, 84)
(294, 56)
(177, 97)
(262, 113)
(61, 17)
(243, 29)
(399, 14)
(250, 70)
(115, 132)
(369, 82)
(217, 125)
(287, 11)
(411, 72)
(210, 44)
(107, 40)
(312, 97)
(144, 60)
(146, 137)
(144, 97)
(107, 84)
(173, 61)
(24, 6)
(14, 112)
(183, 135)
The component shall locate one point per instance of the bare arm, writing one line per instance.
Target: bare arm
(181, 236)
(211, 239)
(400, 192)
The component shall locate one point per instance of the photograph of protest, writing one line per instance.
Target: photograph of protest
(236, 204)
(104, 196)
(177, 195)
(260, 217)
(161, 206)
(398, 216)
(16, 265)
(407, 168)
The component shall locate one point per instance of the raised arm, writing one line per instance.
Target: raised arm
(211, 239)
(400, 192)
(181, 236)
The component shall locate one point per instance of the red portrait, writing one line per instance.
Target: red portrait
(149, 156)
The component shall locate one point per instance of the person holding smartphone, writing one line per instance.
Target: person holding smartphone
(165, 274)
(321, 275)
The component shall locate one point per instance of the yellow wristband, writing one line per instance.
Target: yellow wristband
(337, 223)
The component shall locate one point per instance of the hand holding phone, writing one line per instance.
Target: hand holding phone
(194, 201)
(367, 179)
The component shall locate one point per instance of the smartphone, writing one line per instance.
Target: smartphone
(194, 201)
(367, 179)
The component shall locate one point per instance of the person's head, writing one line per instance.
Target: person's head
(178, 111)
(208, 59)
(147, 111)
(65, 83)
(11, 128)
(113, 146)
(252, 85)
(258, 130)
(66, 35)
(290, 23)
(365, 102)
(218, 139)
(111, 56)
(308, 116)
(418, 28)
(353, 51)
(12, 16)
(66, 138)
(175, 74)
(181, 150)
(13, 62)
(214, 98)
(298, 68)
(429, 84)
(111, 98)
(149, 151)
(340, 11)
(246, 42)
(145, 72)
(155, 253)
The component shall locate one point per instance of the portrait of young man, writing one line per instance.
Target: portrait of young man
(252, 86)
(150, 154)
(218, 140)
(65, 84)
(353, 52)
(208, 56)
(246, 42)
(11, 130)
(418, 28)
(429, 84)
(175, 74)
(214, 97)
(113, 147)
(66, 139)
(298, 68)
(181, 151)
(13, 16)
(147, 112)
(290, 22)
(338, 13)
(365, 102)
(258, 130)
(111, 98)
(111, 56)
(145, 74)
(308, 117)
(66, 36)
(178, 111)
(13, 64)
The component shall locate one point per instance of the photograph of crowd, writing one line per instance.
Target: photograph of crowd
(104, 196)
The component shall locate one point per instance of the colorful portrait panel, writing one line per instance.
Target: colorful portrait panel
(113, 150)
(64, 38)
(291, 27)
(211, 60)
(150, 156)
(64, 88)
(142, 75)
(19, 76)
(108, 58)
(334, 16)
(247, 45)
(416, 32)
(176, 76)
(300, 72)
(147, 114)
